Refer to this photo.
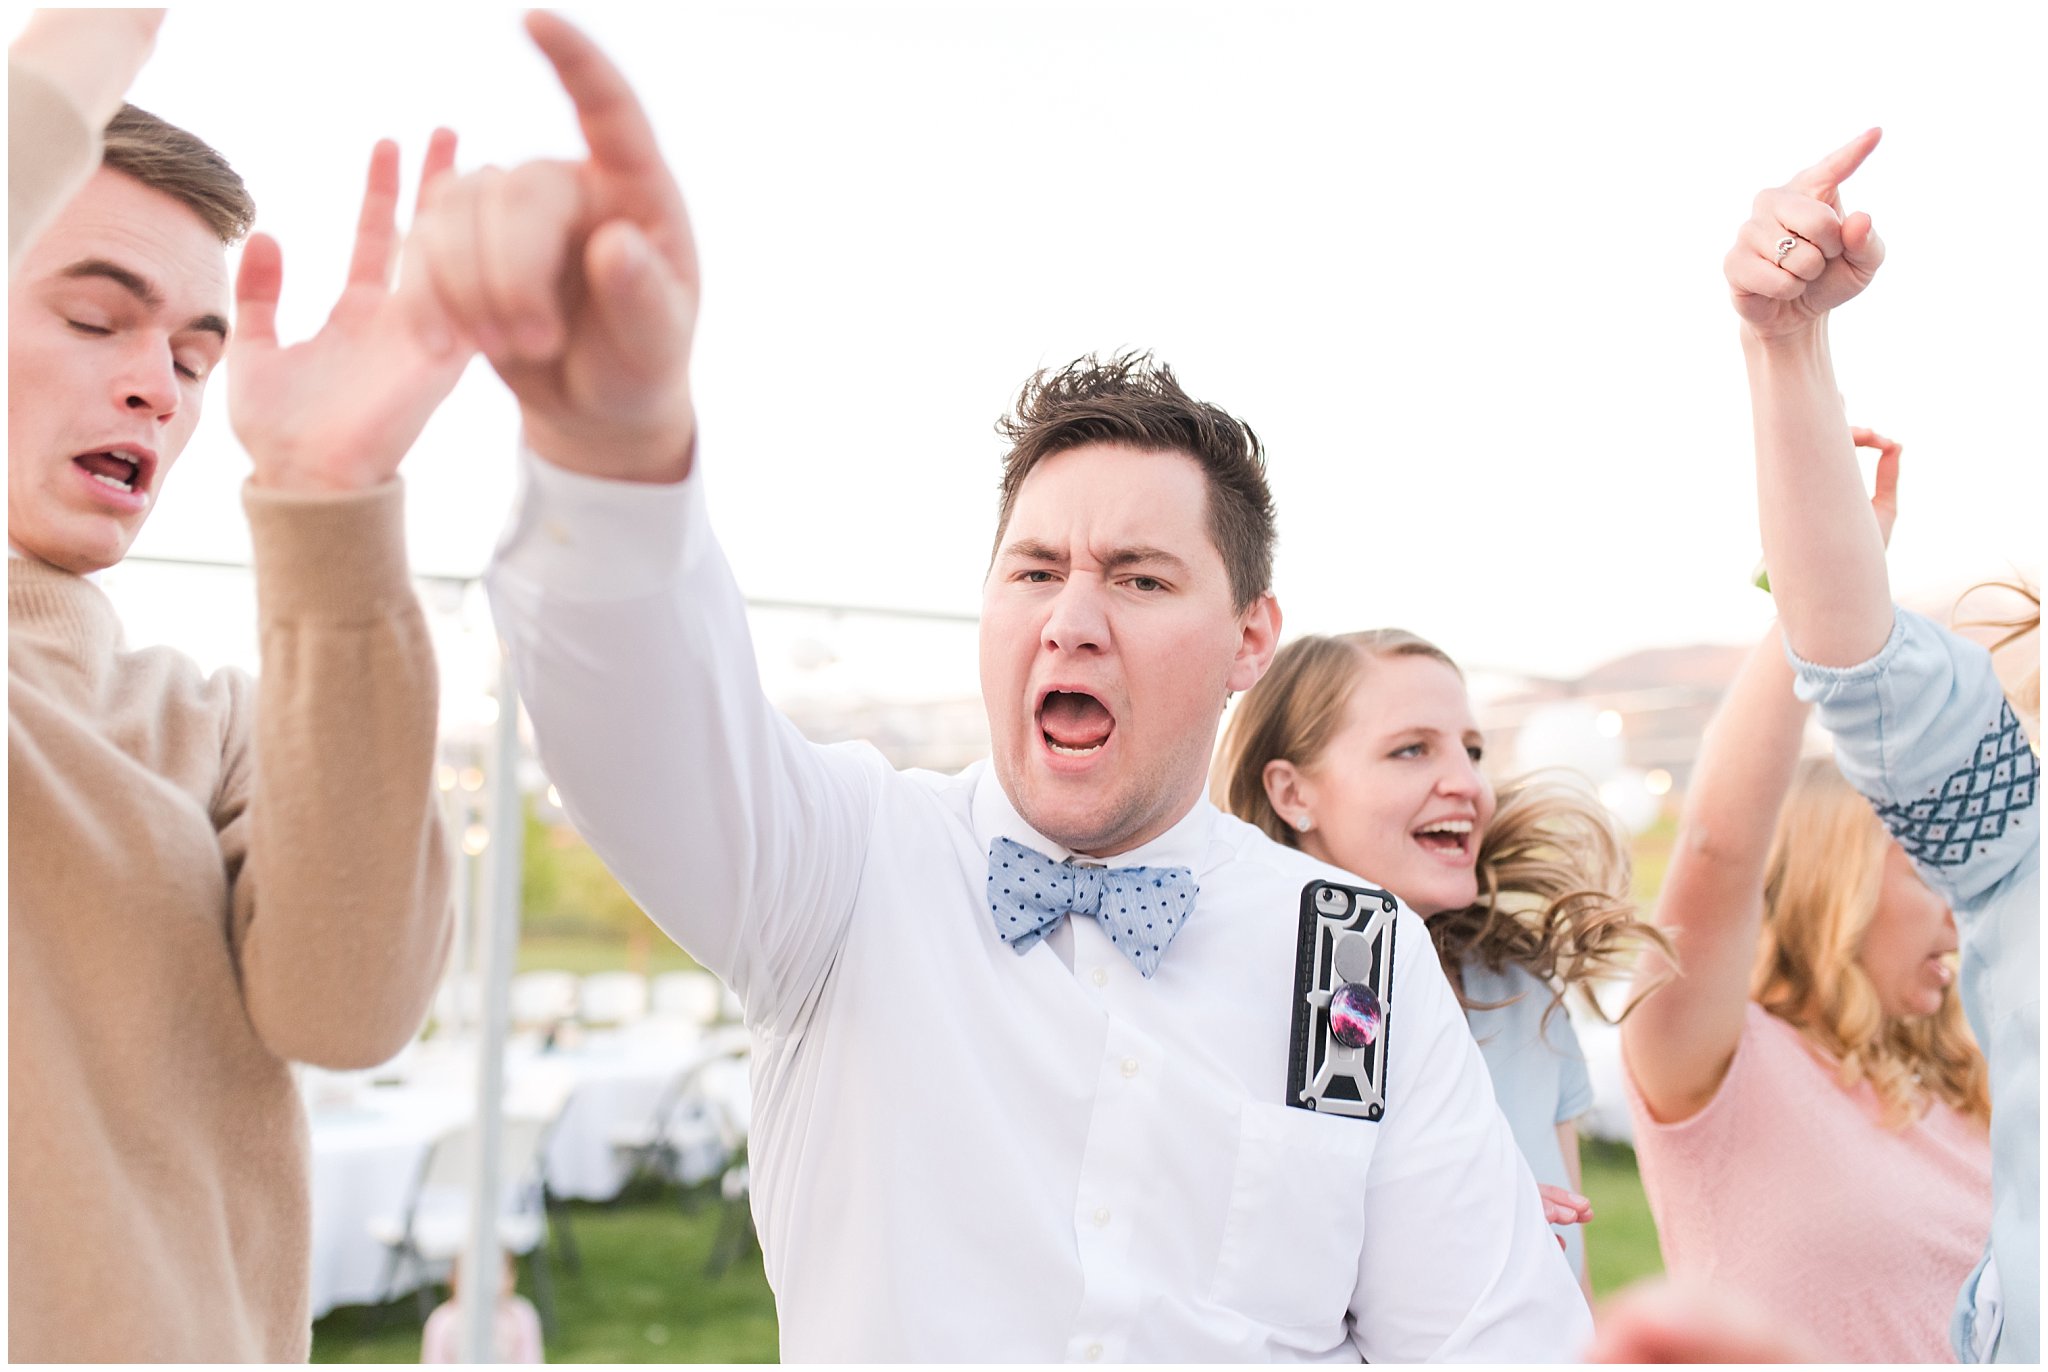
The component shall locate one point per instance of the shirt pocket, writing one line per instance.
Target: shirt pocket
(1296, 1227)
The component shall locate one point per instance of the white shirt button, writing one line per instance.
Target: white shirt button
(1094, 1353)
(1130, 1067)
(1101, 1215)
(1099, 977)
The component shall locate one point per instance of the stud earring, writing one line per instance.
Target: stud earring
(1304, 823)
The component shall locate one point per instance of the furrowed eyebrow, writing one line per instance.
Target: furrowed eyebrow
(1146, 557)
(1031, 550)
(98, 268)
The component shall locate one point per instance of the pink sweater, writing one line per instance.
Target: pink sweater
(1787, 1193)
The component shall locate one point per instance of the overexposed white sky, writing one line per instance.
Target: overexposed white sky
(1459, 265)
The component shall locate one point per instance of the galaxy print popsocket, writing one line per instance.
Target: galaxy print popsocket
(1343, 979)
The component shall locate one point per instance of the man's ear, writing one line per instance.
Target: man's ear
(1258, 640)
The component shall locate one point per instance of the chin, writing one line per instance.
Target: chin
(82, 553)
(1079, 827)
(1919, 1004)
(1083, 820)
(1439, 899)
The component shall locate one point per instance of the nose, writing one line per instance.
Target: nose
(1076, 622)
(1460, 777)
(147, 380)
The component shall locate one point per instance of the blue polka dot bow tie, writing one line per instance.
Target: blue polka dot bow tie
(1141, 908)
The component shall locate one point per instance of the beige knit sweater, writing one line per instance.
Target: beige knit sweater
(208, 879)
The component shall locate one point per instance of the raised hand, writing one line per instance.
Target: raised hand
(1563, 1206)
(1798, 257)
(340, 410)
(1659, 1320)
(1884, 495)
(578, 280)
(92, 55)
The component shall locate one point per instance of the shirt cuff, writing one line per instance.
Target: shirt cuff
(590, 538)
(334, 556)
(1818, 683)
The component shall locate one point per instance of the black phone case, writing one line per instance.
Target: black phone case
(1322, 1074)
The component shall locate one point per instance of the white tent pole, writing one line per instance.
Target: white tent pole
(498, 929)
(461, 957)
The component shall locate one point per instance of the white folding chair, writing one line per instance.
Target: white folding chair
(433, 1229)
(693, 1131)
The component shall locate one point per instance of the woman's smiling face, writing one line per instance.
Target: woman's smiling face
(1398, 796)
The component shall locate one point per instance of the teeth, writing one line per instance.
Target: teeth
(110, 481)
(1450, 826)
(1065, 751)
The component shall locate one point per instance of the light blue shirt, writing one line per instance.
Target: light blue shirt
(1923, 730)
(1539, 1074)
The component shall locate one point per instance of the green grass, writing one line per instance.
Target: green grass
(584, 954)
(642, 1296)
(1621, 1238)
(1650, 856)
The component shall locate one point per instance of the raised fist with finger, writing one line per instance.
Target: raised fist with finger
(1797, 256)
(578, 280)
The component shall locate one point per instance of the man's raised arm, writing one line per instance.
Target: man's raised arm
(578, 280)
(329, 822)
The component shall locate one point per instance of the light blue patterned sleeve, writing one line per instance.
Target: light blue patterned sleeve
(1923, 729)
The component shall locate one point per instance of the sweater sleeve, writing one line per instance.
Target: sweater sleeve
(328, 818)
(50, 153)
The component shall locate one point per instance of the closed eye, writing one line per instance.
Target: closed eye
(89, 330)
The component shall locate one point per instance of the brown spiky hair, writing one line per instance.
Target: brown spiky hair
(1129, 400)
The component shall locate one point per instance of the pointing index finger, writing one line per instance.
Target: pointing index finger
(614, 125)
(1824, 176)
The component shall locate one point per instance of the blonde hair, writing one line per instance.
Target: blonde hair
(2026, 693)
(1553, 870)
(1821, 888)
(1554, 877)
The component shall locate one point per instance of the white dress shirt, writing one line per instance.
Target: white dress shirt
(964, 1152)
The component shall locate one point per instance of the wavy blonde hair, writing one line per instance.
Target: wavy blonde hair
(2025, 693)
(1820, 894)
(1553, 869)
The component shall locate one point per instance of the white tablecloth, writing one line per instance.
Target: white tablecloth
(370, 1141)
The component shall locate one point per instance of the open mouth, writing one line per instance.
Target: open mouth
(116, 470)
(1449, 838)
(1074, 723)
